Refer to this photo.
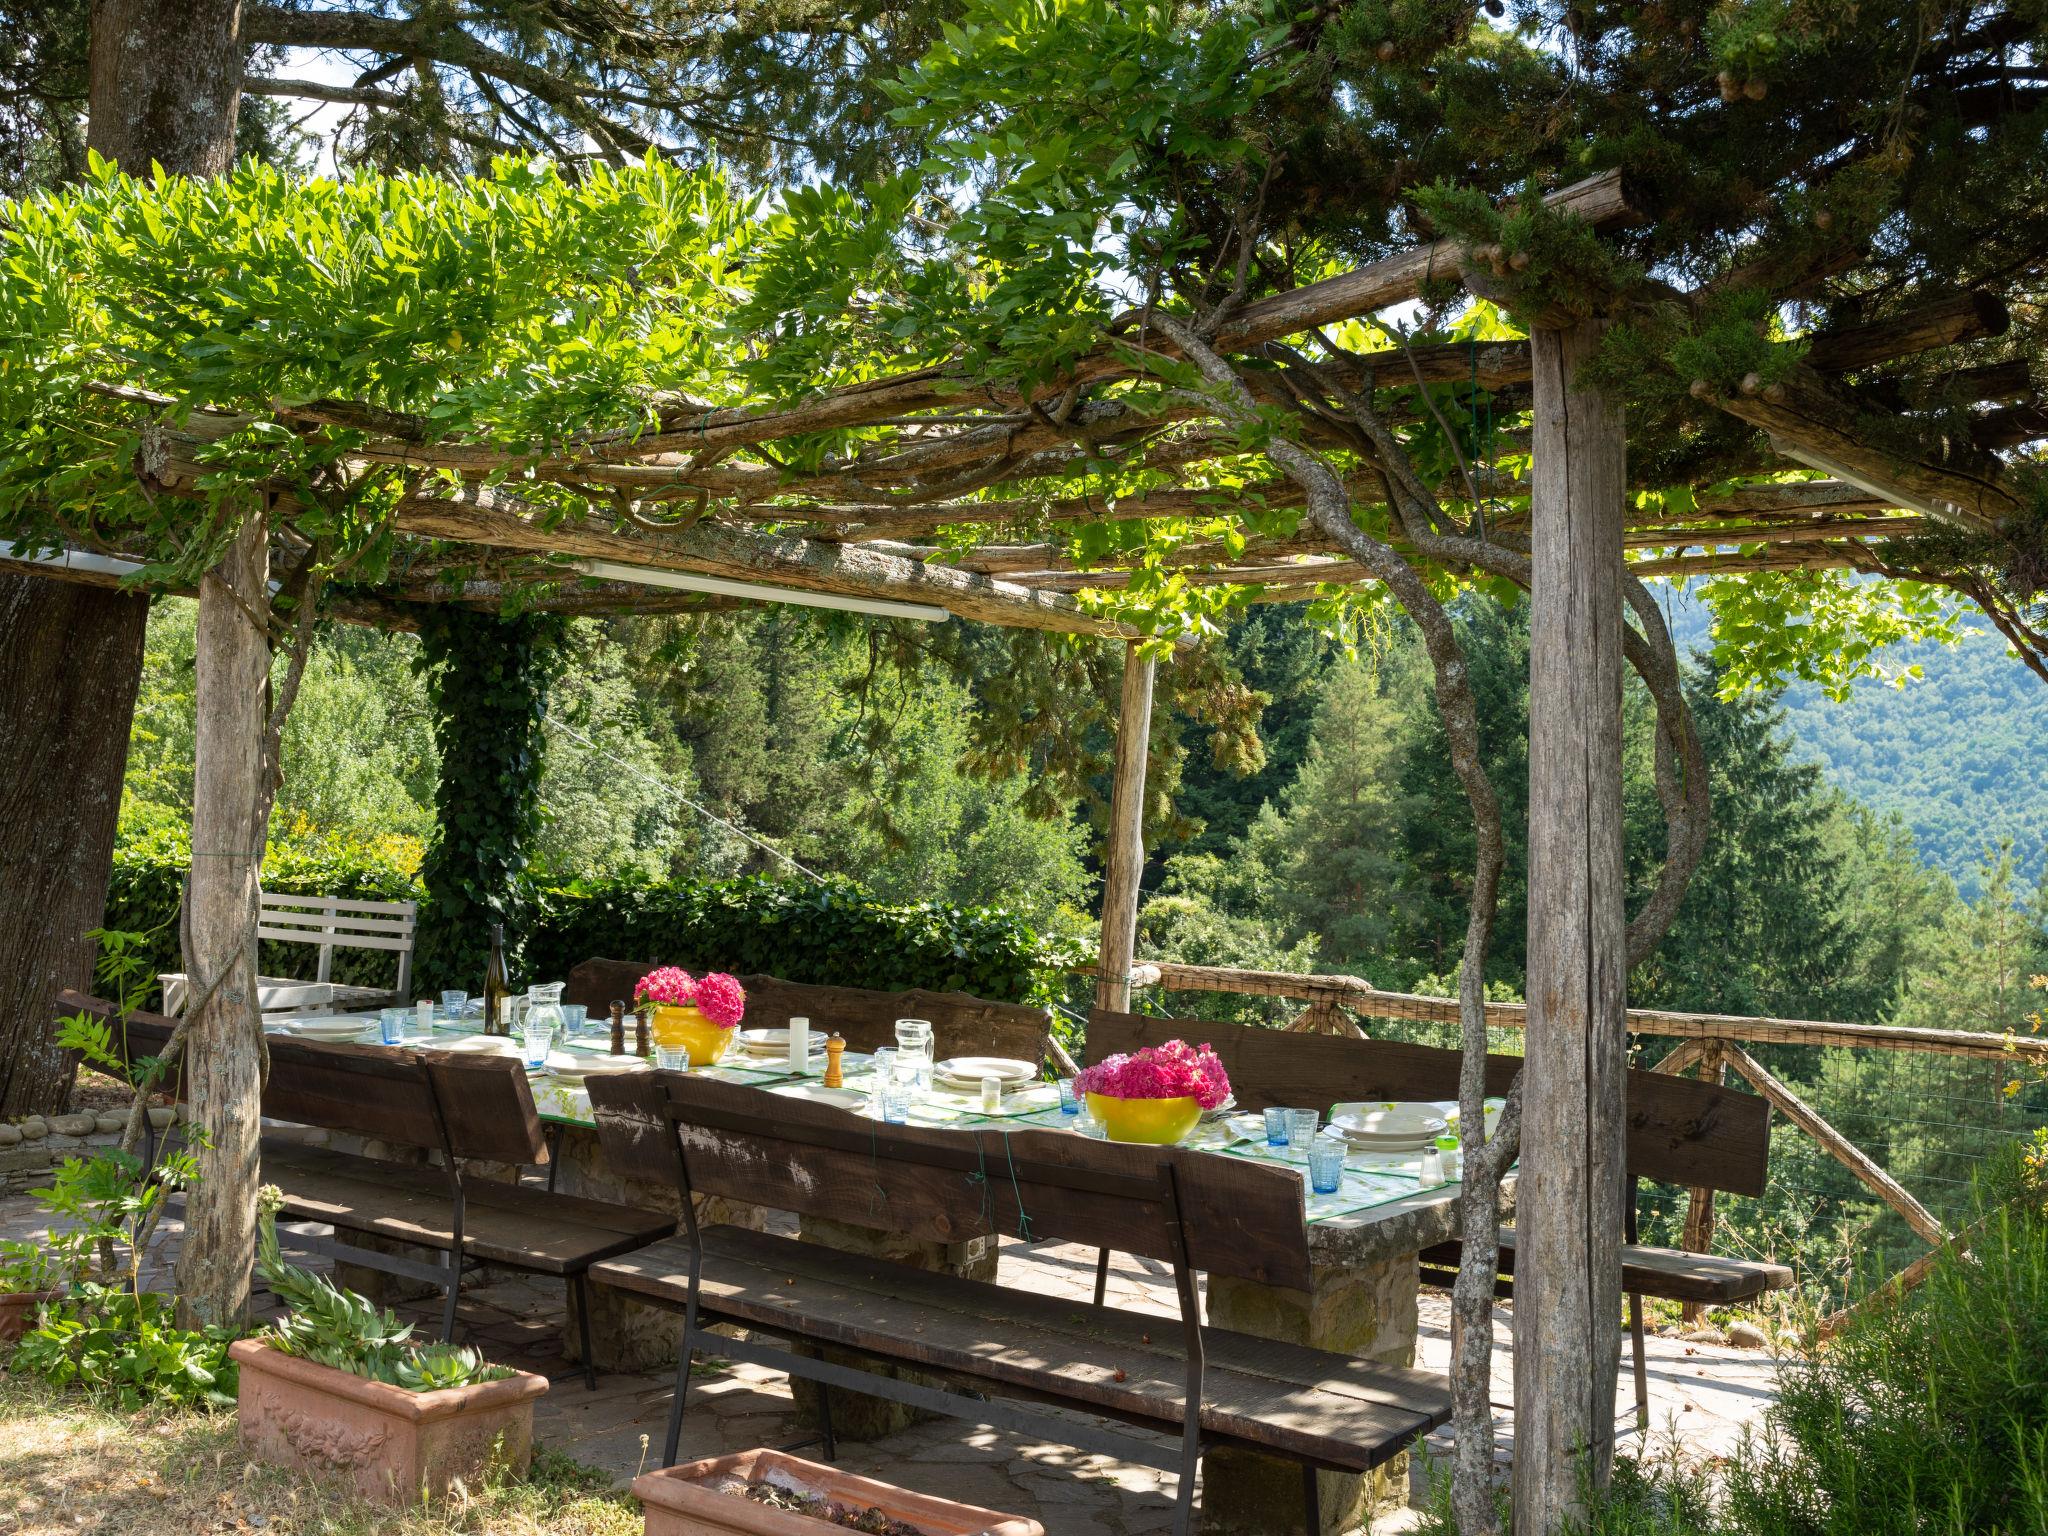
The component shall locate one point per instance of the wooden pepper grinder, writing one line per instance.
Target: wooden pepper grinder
(835, 1072)
(618, 1028)
(641, 1046)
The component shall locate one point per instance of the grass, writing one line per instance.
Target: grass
(69, 1466)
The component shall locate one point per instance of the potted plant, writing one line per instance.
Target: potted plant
(771, 1493)
(339, 1386)
(29, 1277)
(697, 1014)
(1155, 1095)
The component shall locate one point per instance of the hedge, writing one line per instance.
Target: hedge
(828, 934)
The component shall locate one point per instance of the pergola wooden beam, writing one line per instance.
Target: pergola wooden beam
(484, 516)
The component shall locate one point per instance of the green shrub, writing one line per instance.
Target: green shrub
(126, 1347)
(826, 934)
(829, 934)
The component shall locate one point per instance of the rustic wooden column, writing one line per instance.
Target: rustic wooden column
(1124, 858)
(224, 1046)
(1569, 1200)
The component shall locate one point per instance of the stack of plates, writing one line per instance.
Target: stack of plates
(963, 1074)
(486, 1045)
(767, 1045)
(336, 1029)
(1388, 1127)
(570, 1070)
(838, 1098)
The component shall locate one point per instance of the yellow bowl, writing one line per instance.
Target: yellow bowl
(679, 1026)
(1154, 1122)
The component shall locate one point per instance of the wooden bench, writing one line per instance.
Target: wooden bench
(962, 1025)
(453, 1106)
(326, 923)
(981, 1351)
(1678, 1131)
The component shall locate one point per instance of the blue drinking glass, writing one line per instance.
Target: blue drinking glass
(1070, 1101)
(1276, 1127)
(574, 1017)
(1325, 1165)
(391, 1025)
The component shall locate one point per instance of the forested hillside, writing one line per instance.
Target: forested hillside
(1958, 752)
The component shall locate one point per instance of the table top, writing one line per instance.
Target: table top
(1381, 1208)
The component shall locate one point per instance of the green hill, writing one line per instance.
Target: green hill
(1957, 753)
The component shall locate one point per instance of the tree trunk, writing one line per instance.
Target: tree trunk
(230, 815)
(165, 87)
(1124, 860)
(70, 658)
(166, 84)
(1569, 1203)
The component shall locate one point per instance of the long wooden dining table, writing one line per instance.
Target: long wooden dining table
(1364, 1243)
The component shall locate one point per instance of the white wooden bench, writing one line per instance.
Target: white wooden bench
(326, 923)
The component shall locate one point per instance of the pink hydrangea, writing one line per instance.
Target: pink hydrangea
(669, 984)
(721, 999)
(1175, 1070)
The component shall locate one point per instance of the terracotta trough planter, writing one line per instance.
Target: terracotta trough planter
(688, 1500)
(390, 1444)
(18, 1310)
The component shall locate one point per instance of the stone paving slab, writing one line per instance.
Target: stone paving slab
(1705, 1395)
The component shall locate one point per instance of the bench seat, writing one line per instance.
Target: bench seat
(508, 1224)
(1669, 1274)
(1334, 1411)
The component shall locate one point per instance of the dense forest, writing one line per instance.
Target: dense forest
(1328, 838)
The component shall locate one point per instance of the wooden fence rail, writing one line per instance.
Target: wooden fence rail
(1710, 1042)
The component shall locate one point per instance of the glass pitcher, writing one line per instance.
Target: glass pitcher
(542, 1024)
(914, 1051)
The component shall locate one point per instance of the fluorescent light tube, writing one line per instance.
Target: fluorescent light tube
(690, 581)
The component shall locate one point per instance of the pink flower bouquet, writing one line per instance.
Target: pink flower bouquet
(670, 984)
(716, 995)
(1175, 1070)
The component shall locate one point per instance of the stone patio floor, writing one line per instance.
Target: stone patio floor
(1702, 1395)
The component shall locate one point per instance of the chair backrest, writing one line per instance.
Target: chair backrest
(482, 1106)
(329, 923)
(1234, 1217)
(1679, 1131)
(962, 1025)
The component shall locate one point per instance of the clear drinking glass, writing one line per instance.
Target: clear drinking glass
(1301, 1130)
(1070, 1101)
(914, 1045)
(672, 1058)
(1325, 1165)
(452, 1004)
(899, 1088)
(391, 1025)
(539, 1038)
(1276, 1127)
(881, 1070)
(574, 1017)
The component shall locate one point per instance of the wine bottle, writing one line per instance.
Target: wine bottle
(496, 986)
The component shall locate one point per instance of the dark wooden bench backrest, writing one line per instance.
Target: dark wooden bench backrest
(1237, 1218)
(962, 1025)
(1679, 1131)
(375, 1091)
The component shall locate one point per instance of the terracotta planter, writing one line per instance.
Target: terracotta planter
(18, 1310)
(687, 1501)
(388, 1443)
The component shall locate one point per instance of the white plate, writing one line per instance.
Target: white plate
(812, 1093)
(486, 1045)
(968, 1071)
(333, 1030)
(1388, 1121)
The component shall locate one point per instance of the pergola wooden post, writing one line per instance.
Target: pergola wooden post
(1569, 1203)
(1124, 861)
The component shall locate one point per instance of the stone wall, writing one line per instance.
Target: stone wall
(33, 1147)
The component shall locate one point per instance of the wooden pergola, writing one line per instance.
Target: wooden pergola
(948, 497)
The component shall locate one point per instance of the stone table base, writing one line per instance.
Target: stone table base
(1367, 1310)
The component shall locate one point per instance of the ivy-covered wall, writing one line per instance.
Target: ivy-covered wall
(489, 677)
(828, 934)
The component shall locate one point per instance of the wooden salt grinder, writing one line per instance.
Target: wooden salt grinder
(641, 1047)
(618, 1028)
(835, 1048)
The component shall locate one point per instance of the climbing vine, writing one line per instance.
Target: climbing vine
(488, 679)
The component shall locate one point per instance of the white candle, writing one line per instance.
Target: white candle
(423, 1014)
(991, 1095)
(800, 1045)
